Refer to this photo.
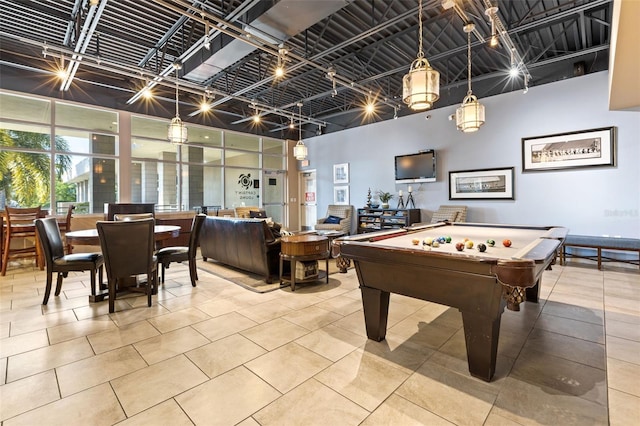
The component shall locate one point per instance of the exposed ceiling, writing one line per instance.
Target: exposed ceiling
(129, 44)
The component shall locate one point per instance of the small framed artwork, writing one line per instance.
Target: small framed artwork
(341, 173)
(485, 184)
(341, 195)
(586, 148)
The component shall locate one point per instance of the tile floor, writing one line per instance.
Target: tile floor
(219, 354)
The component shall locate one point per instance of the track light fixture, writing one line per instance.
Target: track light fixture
(421, 86)
(282, 53)
(207, 40)
(331, 74)
(491, 13)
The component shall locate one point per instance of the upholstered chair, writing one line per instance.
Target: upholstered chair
(343, 214)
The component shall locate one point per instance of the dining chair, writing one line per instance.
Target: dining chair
(127, 247)
(132, 216)
(129, 208)
(57, 261)
(19, 224)
(65, 225)
(180, 254)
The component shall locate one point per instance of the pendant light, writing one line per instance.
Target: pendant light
(421, 86)
(177, 133)
(300, 150)
(470, 115)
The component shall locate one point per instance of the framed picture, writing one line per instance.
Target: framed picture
(587, 148)
(486, 184)
(341, 173)
(341, 195)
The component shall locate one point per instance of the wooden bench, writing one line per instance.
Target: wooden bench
(599, 244)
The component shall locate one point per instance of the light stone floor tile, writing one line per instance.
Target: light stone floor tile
(225, 354)
(4, 330)
(42, 322)
(521, 402)
(129, 316)
(398, 411)
(332, 342)
(623, 376)
(26, 394)
(224, 325)
(86, 373)
(570, 348)
(178, 319)
(341, 305)
(23, 343)
(248, 422)
(38, 360)
(96, 406)
(353, 322)
(624, 409)
(298, 300)
(73, 330)
(363, 378)
(311, 404)
(149, 386)
(265, 311)
(3, 370)
(569, 327)
(217, 307)
(227, 399)
(459, 399)
(579, 313)
(165, 413)
(275, 333)
(288, 366)
(622, 330)
(312, 317)
(401, 353)
(623, 349)
(168, 345)
(122, 336)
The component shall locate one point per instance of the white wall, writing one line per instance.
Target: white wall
(589, 201)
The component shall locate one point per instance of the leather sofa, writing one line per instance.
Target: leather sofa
(246, 244)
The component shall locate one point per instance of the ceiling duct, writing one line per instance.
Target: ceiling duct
(275, 24)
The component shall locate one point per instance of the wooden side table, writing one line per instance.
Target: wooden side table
(300, 248)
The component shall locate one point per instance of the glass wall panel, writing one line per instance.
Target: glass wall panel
(23, 108)
(153, 149)
(273, 146)
(86, 118)
(155, 182)
(241, 159)
(149, 128)
(205, 136)
(25, 136)
(81, 141)
(241, 141)
(242, 187)
(273, 162)
(202, 186)
(273, 190)
(89, 183)
(25, 179)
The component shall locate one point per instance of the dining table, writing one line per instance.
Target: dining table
(89, 237)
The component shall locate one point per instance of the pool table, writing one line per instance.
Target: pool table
(479, 284)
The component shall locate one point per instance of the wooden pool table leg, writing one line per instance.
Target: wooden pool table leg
(376, 310)
(532, 294)
(481, 336)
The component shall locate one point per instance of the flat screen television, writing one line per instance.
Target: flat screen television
(416, 168)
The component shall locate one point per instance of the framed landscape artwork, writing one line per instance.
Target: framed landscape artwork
(587, 148)
(341, 195)
(486, 184)
(341, 173)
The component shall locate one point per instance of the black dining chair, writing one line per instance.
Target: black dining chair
(56, 261)
(127, 247)
(180, 254)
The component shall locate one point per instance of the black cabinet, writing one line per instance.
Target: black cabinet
(370, 220)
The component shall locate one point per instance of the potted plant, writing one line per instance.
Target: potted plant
(384, 197)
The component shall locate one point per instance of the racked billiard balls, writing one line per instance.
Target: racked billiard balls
(506, 243)
(435, 243)
(459, 246)
(415, 241)
(482, 247)
(491, 243)
(427, 241)
(469, 244)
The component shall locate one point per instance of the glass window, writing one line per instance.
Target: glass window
(242, 187)
(153, 149)
(86, 118)
(273, 162)
(201, 186)
(16, 107)
(273, 146)
(155, 182)
(241, 141)
(149, 128)
(88, 182)
(205, 136)
(81, 141)
(241, 159)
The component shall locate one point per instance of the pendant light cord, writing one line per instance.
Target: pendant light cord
(469, 61)
(420, 51)
(177, 114)
(300, 123)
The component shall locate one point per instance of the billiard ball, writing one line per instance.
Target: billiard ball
(426, 247)
(491, 243)
(482, 247)
(415, 241)
(435, 243)
(441, 240)
(465, 240)
(447, 239)
(427, 241)
(459, 246)
(469, 244)
(506, 243)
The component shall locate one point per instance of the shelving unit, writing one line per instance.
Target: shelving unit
(370, 220)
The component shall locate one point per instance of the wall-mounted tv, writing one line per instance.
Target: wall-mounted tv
(415, 168)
